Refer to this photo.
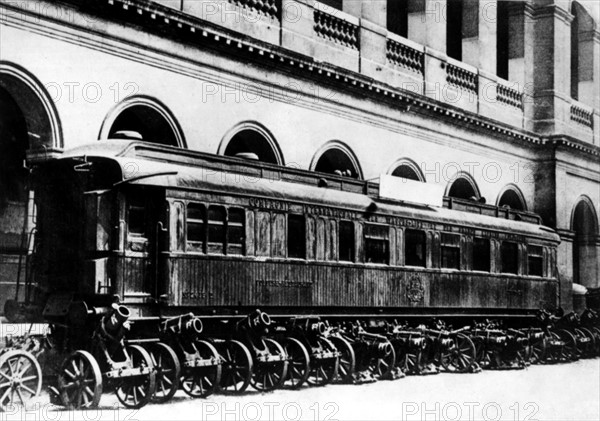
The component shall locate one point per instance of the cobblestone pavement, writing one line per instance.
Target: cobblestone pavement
(556, 392)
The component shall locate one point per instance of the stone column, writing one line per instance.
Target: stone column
(479, 24)
(427, 23)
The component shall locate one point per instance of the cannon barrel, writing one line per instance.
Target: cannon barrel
(114, 321)
(256, 321)
(186, 324)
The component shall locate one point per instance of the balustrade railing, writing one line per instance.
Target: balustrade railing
(400, 54)
(266, 7)
(335, 29)
(582, 116)
(509, 96)
(461, 78)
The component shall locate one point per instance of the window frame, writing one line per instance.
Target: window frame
(453, 246)
(502, 257)
(302, 245)
(539, 256)
(489, 255)
(350, 225)
(375, 238)
(423, 247)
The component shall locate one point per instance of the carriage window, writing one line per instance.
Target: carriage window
(377, 244)
(346, 241)
(481, 254)
(510, 257)
(450, 251)
(236, 234)
(535, 260)
(414, 248)
(216, 229)
(195, 220)
(296, 236)
(136, 217)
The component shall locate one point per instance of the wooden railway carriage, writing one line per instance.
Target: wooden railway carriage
(186, 244)
(171, 231)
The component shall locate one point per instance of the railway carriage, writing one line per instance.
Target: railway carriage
(195, 251)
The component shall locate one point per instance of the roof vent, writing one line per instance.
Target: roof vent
(127, 134)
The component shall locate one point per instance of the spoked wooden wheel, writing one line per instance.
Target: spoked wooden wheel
(298, 363)
(382, 364)
(596, 332)
(270, 375)
(554, 353)
(237, 367)
(347, 361)
(200, 382)
(168, 370)
(136, 391)
(483, 356)
(324, 370)
(20, 378)
(537, 353)
(460, 356)
(569, 351)
(80, 381)
(585, 342)
(411, 361)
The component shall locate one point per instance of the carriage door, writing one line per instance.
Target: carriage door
(143, 211)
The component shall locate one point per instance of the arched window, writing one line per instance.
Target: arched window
(582, 54)
(585, 253)
(406, 168)
(337, 158)
(512, 197)
(250, 140)
(463, 187)
(147, 117)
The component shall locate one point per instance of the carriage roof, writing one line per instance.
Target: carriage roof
(129, 168)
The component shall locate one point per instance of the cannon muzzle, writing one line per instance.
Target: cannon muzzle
(115, 320)
(256, 321)
(187, 324)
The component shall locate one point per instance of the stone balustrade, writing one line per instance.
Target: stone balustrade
(582, 115)
(509, 96)
(461, 77)
(335, 28)
(400, 53)
(267, 7)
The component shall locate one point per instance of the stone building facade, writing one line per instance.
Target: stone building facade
(496, 101)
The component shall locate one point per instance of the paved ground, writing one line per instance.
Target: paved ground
(559, 392)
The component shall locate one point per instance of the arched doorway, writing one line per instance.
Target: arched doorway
(463, 187)
(28, 123)
(585, 251)
(250, 140)
(337, 158)
(513, 198)
(147, 116)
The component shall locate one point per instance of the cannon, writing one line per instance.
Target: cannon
(103, 358)
(409, 346)
(496, 348)
(453, 350)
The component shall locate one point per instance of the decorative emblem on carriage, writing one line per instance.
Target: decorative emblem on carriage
(415, 291)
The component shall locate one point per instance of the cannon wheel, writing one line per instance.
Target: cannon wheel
(460, 357)
(383, 367)
(136, 392)
(299, 363)
(570, 350)
(586, 349)
(20, 377)
(270, 375)
(596, 332)
(485, 357)
(347, 362)
(168, 371)
(80, 381)
(200, 382)
(537, 352)
(411, 360)
(237, 367)
(323, 371)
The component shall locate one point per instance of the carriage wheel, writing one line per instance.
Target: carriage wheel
(323, 371)
(168, 371)
(270, 375)
(80, 381)
(596, 332)
(460, 356)
(483, 356)
(347, 362)
(382, 366)
(136, 392)
(200, 382)
(237, 367)
(537, 352)
(585, 342)
(299, 363)
(20, 378)
(412, 361)
(569, 351)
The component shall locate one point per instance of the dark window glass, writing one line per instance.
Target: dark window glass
(377, 244)
(535, 260)
(346, 241)
(450, 251)
(510, 257)
(236, 233)
(481, 254)
(414, 248)
(296, 236)
(136, 216)
(196, 216)
(216, 229)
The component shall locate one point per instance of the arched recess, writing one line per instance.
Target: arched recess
(251, 140)
(583, 79)
(28, 123)
(407, 168)
(463, 186)
(337, 158)
(584, 222)
(147, 116)
(512, 197)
